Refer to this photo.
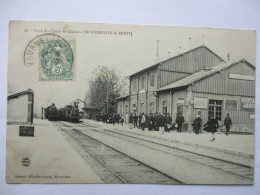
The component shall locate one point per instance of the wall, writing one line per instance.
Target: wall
(123, 108)
(240, 118)
(185, 64)
(220, 83)
(17, 109)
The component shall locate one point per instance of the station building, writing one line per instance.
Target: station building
(20, 107)
(196, 81)
(228, 88)
(123, 107)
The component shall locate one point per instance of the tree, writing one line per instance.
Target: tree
(105, 86)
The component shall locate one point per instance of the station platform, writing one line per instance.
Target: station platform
(237, 144)
(49, 157)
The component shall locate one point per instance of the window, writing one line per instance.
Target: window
(215, 109)
(152, 79)
(134, 85)
(164, 106)
(134, 108)
(152, 107)
(142, 82)
(180, 103)
(179, 108)
(126, 108)
(142, 108)
(120, 109)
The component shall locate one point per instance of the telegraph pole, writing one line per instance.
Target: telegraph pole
(107, 97)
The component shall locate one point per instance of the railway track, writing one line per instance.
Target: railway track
(121, 167)
(233, 168)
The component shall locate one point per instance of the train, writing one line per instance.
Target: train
(68, 113)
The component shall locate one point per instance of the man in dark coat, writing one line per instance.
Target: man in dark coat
(227, 123)
(135, 120)
(161, 122)
(118, 118)
(179, 121)
(131, 118)
(114, 118)
(156, 122)
(151, 122)
(146, 124)
(139, 120)
(197, 124)
(212, 126)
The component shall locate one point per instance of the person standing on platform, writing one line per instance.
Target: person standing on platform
(143, 120)
(179, 121)
(114, 118)
(197, 125)
(139, 121)
(131, 118)
(156, 122)
(212, 126)
(151, 122)
(168, 122)
(118, 118)
(162, 122)
(227, 123)
(135, 118)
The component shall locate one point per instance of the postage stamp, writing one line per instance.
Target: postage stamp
(54, 55)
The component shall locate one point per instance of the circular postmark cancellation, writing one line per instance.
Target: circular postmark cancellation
(53, 55)
(26, 162)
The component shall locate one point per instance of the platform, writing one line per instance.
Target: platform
(233, 143)
(45, 158)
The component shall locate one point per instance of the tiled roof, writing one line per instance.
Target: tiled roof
(200, 75)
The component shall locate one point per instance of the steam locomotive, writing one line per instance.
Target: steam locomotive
(68, 113)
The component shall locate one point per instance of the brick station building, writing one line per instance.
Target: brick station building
(196, 81)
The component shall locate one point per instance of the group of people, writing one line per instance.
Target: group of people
(164, 123)
(112, 118)
(158, 122)
(211, 125)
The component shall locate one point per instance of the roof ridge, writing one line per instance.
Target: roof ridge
(187, 51)
(210, 72)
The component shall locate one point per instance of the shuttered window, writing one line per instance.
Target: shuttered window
(142, 82)
(152, 107)
(134, 85)
(164, 106)
(152, 79)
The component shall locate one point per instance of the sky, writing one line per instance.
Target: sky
(133, 48)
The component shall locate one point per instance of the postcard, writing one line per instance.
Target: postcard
(130, 104)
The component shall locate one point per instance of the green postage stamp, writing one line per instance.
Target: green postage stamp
(56, 60)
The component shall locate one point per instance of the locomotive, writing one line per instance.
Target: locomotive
(68, 113)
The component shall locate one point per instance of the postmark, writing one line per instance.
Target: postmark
(53, 55)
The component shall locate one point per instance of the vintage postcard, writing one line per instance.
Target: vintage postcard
(130, 104)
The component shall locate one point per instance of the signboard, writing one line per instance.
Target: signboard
(142, 91)
(252, 116)
(248, 104)
(231, 104)
(180, 101)
(201, 103)
(26, 131)
(242, 77)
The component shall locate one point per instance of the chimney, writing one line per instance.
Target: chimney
(228, 56)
